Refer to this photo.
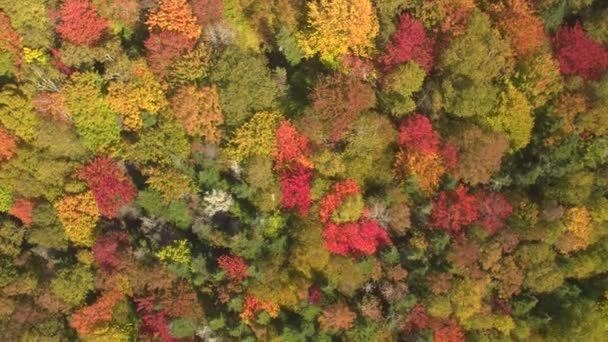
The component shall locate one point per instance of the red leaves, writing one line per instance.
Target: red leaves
(417, 134)
(7, 145)
(357, 238)
(22, 209)
(453, 210)
(295, 185)
(164, 48)
(291, 157)
(153, 322)
(417, 320)
(333, 200)
(494, 209)
(234, 266)
(409, 43)
(106, 248)
(86, 319)
(79, 22)
(447, 331)
(338, 100)
(579, 55)
(292, 147)
(449, 156)
(207, 11)
(110, 185)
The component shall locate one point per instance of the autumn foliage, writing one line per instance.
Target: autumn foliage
(107, 247)
(198, 111)
(409, 43)
(494, 210)
(79, 215)
(22, 209)
(85, 320)
(357, 238)
(336, 197)
(417, 133)
(110, 185)
(234, 266)
(175, 16)
(295, 187)
(80, 23)
(454, 210)
(7, 145)
(578, 54)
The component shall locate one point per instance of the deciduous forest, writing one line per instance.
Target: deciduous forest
(303, 170)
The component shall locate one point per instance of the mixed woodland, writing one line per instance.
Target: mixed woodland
(303, 170)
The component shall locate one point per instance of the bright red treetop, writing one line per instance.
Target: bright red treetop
(494, 209)
(234, 266)
(578, 54)
(409, 43)
(417, 133)
(295, 186)
(79, 22)
(110, 185)
(333, 200)
(358, 238)
(453, 210)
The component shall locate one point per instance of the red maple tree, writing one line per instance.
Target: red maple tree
(292, 147)
(416, 320)
(234, 266)
(22, 209)
(7, 145)
(336, 197)
(164, 48)
(207, 11)
(154, 322)
(449, 156)
(358, 238)
(454, 209)
(110, 185)
(106, 249)
(447, 331)
(86, 319)
(578, 54)
(409, 43)
(295, 187)
(79, 22)
(416, 133)
(494, 210)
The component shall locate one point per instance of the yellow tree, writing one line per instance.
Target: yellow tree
(337, 27)
(79, 216)
(578, 230)
(255, 137)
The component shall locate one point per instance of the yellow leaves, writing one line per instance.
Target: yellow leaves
(176, 16)
(178, 253)
(142, 94)
(337, 27)
(171, 184)
(79, 216)
(35, 55)
(578, 229)
(198, 111)
(255, 137)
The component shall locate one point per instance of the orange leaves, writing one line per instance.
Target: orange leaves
(176, 16)
(7, 145)
(253, 306)
(198, 111)
(292, 147)
(333, 200)
(234, 266)
(86, 319)
(337, 317)
(516, 19)
(427, 168)
(79, 216)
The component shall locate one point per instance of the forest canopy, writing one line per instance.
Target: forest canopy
(303, 170)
